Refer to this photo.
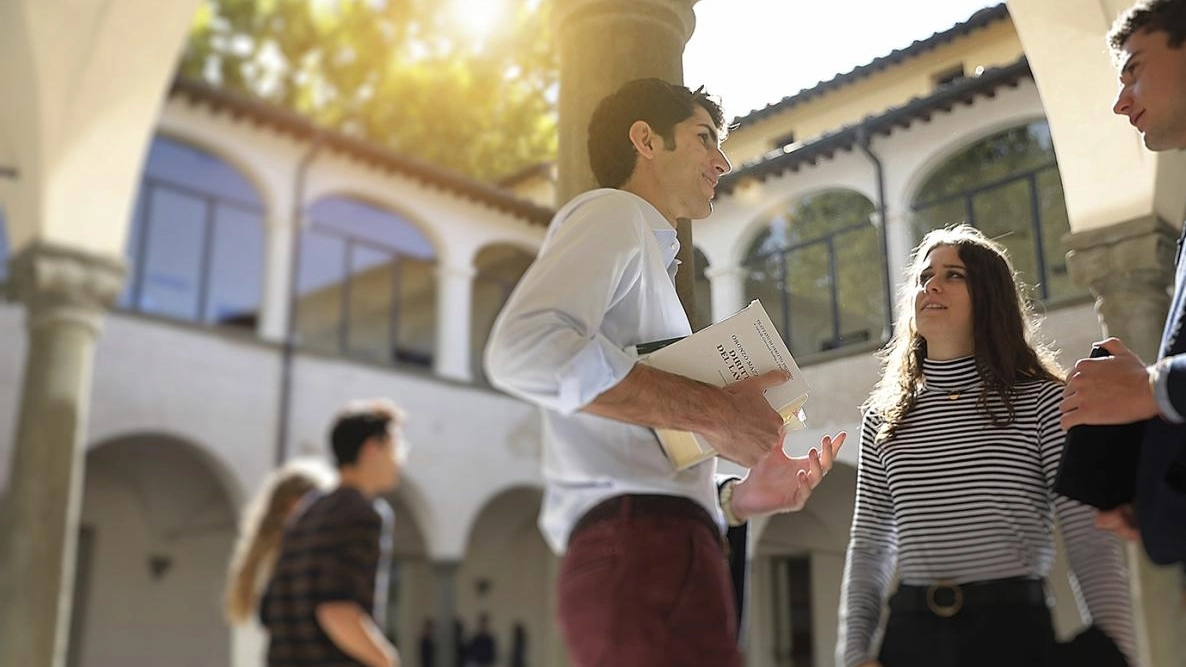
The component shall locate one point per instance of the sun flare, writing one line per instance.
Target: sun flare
(478, 19)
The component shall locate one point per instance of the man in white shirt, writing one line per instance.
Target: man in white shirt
(643, 582)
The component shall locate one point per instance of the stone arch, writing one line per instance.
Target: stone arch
(797, 569)
(951, 145)
(197, 246)
(235, 156)
(382, 202)
(158, 522)
(1005, 180)
(506, 569)
(808, 260)
(757, 215)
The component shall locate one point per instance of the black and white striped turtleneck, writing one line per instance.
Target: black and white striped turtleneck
(951, 496)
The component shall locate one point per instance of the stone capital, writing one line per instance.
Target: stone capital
(1128, 255)
(673, 15)
(717, 271)
(1129, 268)
(462, 273)
(60, 282)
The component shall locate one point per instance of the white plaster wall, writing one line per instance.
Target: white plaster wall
(132, 619)
(468, 443)
(506, 548)
(215, 388)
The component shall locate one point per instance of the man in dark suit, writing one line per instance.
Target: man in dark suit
(1149, 45)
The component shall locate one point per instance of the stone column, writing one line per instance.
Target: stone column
(454, 306)
(65, 293)
(728, 289)
(274, 297)
(1129, 268)
(603, 44)
(446, 577)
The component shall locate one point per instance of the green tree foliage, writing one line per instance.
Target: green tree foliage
(401, 73)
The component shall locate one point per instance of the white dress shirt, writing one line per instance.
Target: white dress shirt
(603, 282)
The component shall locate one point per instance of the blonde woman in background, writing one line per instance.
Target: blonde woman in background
(260, 531)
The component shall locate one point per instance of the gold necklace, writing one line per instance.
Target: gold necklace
(954, 394)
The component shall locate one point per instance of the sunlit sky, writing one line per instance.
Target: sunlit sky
(751, 53)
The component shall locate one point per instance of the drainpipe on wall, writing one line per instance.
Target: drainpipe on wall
(865, 144)
(294, 266)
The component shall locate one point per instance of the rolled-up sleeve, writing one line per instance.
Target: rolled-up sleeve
(548, 345)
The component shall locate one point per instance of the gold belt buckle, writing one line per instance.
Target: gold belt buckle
(945, 610)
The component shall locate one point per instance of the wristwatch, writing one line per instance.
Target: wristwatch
(725, 495)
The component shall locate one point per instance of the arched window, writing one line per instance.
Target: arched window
(366, 284)
(498, 269)
(1008, 186)
(196, 244)
(817, 268)
(703, 289)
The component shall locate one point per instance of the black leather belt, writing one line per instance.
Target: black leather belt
(947, 598)
(645, 505)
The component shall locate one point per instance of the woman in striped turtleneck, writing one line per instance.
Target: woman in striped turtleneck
(960, 444)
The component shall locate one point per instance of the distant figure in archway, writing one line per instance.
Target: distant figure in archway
(519, 646)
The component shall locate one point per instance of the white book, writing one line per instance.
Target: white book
(742, 346)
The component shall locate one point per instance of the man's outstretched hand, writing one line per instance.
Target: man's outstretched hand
(779, 483)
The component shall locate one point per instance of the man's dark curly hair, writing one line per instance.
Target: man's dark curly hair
(658, 103)
(1168, 16)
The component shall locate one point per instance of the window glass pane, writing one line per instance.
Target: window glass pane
(823, 213)
(860, 288)
(177, 162)
(236, 269)
(372, 292)
(356, 219)
(135, 234)
(809, 286)
(1015, 150)
(488, 298)
(1004, 214)
(190, 198)
(816, 235)
(1055, 225)
(3, 247)
(417, 319)
(319, 291)
(172, 255)
(498, 269)
(764, 282)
